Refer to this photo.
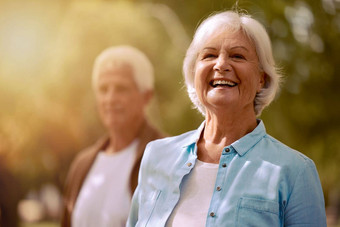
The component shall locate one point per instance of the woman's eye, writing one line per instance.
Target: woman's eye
(238, 56)
(205, 56)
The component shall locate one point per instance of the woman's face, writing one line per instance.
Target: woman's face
(227, 73)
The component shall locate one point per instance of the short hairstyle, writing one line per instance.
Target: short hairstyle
(120, 55)
(234, 22)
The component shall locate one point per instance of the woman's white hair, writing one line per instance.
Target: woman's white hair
(118, 56)
(233, 21)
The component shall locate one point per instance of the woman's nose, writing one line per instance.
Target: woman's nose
(222, 64)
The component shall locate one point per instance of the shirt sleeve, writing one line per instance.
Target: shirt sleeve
(306, 206)
(133, 216)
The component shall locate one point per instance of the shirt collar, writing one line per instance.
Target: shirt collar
(242, 145)
(194, 137)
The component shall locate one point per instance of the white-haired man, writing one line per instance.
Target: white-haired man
(103, 177)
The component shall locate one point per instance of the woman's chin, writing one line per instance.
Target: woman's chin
(221, 101)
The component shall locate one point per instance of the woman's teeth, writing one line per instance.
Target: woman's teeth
(216, 83)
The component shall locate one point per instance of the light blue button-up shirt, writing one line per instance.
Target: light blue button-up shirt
(261, 181)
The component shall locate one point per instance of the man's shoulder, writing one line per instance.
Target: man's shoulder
(89, 152)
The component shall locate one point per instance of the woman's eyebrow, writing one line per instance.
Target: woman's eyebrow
(242, 47)
(233, 47)
(209, 48)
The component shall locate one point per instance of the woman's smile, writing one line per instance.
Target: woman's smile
(221, 83)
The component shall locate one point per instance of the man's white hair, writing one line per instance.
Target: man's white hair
(125, 55)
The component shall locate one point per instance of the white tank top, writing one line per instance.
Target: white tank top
(104, 199)
(196, 191)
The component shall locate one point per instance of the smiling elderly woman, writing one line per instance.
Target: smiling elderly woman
(228, 172)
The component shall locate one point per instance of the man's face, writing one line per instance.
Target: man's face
(119, 100)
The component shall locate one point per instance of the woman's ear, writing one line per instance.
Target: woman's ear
(262, 82)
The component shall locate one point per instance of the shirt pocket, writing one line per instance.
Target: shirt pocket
(252, 212)
(147, 208)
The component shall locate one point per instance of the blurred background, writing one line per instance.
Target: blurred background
(48, 114)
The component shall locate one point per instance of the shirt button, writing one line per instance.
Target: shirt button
(212, 214)
(218, 188)
(189, 164)
(224, 165)
(227, 150)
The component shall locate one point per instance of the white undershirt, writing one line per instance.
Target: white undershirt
(196, 191)
(104, 199)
